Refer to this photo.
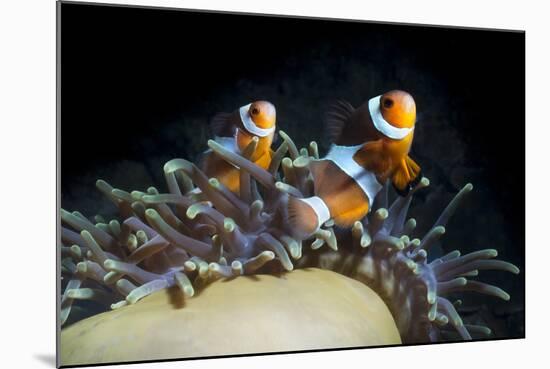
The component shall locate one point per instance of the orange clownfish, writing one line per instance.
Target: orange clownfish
(370, 145)
(234, 131)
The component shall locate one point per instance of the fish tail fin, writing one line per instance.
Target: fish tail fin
(407, 176)
(306, 215)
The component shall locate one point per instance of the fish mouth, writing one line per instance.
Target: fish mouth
(245, 132)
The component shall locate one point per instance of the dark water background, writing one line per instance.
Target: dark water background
(140, 85)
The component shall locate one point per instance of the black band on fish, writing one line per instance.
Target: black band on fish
(384, 126)
(249, 124)
(342, 156)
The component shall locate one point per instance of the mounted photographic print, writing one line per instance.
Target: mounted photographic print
(243, 184)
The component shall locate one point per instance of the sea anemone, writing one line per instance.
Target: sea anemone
(308, 309)
(200, 232)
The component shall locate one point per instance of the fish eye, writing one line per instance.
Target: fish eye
(388, 103)
(255, 111)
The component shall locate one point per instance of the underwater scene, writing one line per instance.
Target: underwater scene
(237, 184)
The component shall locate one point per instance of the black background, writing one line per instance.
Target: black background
(140, 85)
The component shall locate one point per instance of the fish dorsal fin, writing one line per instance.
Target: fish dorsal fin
(336, 118)
(221, 125)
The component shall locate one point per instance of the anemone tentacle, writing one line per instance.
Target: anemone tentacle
(200, 231)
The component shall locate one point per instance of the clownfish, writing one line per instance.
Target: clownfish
(234, 131)
(370, 145)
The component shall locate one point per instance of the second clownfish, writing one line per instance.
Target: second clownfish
(234, 131)
(370, 145)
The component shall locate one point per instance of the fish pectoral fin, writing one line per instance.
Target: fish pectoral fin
(414, 169)
(407, 176)
(371, 157)
(336, 118)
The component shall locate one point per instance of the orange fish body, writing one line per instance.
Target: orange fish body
(371, 145)
(235, 131)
